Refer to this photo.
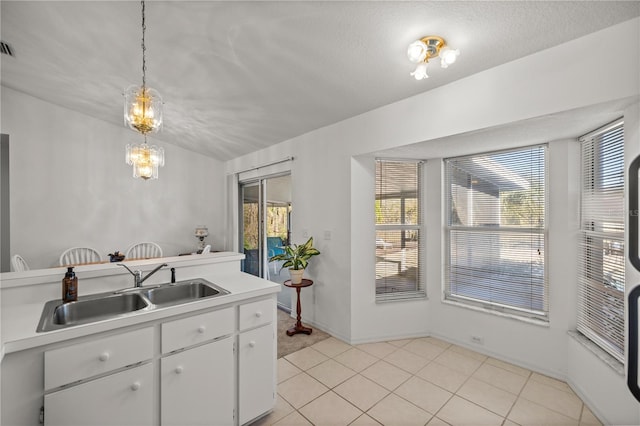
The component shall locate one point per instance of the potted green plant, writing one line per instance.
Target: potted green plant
(296, 258)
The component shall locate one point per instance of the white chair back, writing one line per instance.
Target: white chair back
(144, 250)
(18, 264)
(79, 255)
(206, 249)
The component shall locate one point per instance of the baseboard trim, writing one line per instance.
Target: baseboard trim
(284, 308)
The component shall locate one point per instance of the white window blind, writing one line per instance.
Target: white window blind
(399, 237)
(601, 251)
(496, 231)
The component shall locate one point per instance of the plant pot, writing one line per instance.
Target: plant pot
(296, 275)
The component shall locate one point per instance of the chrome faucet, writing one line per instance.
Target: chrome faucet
(137, 274)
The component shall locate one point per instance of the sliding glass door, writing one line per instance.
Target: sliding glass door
(250, 238)
(266, 217)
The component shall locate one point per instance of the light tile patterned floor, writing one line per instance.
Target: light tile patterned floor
(422, 381)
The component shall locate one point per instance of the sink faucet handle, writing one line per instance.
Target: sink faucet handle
(127, 268)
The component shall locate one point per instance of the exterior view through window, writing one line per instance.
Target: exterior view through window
(601, 286)
(266, 228)
(495, 231)
(399, 238)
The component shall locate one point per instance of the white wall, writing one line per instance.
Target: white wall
(333, 190)
(71, 187)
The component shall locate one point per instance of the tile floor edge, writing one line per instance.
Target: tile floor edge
(519, 363)
(587, 401)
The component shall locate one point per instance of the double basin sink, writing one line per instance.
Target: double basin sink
(97, 307)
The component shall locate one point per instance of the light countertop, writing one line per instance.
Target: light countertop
(19, 321)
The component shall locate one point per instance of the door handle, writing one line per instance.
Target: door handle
(632, 361)
(634, 295)
(633, 213)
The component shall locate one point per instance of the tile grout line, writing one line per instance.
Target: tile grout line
(528, 379)
(549, 408)
(459, 396)
(518, 396)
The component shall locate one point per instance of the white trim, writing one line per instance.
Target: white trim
(251, 172)
(600, 130)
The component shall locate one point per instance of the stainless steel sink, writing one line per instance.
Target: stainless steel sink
(185, 291)
(98, 307)
(89, 309)
(84, 311)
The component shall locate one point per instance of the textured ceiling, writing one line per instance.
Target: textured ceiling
(239, 76)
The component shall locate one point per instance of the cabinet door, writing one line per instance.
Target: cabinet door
(256, 365)
(124, 398)
(197, 385)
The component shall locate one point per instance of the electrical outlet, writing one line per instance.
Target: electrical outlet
(479, 340)
(327, 235)
(305, 233)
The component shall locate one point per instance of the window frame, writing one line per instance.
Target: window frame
(420, 292)
(592, 245)
(538, 316)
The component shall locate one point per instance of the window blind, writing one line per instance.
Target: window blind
(601, 260)
(399, 237)
(496, 231)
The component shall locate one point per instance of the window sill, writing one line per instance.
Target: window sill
(401, 297)
(615, 365)
(528, 320)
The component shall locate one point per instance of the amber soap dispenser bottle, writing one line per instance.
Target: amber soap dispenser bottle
(69, 286)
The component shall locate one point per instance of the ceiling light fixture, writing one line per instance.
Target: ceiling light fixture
(143, 113)
(145, 160)
(420, 51)
(142, 104)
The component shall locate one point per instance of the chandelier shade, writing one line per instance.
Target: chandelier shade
(143, 109)
(142, 104)
(145, 160)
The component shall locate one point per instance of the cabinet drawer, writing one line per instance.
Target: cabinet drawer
(124, 398)
(256, 313)
(87, 359)
(197, 329)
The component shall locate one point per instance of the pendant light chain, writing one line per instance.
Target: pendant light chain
(144, 49)
(143, 114)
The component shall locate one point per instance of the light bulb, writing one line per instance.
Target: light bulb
(420, 71)
(417, 51)
(448, 56)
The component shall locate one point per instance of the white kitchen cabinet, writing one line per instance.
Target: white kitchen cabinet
(256, 355)
(123, 398)
(210, 367)
(197, 385)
